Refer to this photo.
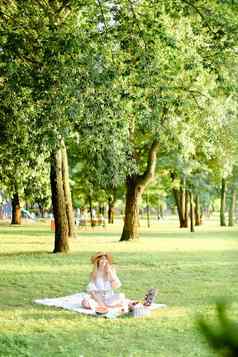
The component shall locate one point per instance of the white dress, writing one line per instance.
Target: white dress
(104, 289)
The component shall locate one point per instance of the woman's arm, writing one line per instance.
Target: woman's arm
(113, 278)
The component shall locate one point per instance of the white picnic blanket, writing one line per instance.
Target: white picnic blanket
(73, 302)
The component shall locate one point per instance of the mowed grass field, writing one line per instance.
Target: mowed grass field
(191, 270)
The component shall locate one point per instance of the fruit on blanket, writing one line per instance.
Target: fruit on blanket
(102, 310)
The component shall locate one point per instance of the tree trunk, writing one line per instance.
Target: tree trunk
(191, 212)
(135, 187)
(41, 209)
(147, 211)
(161, 211)
(1, 213)
(198, 215)
(186, 209)
(223, 203)
(111, 204)
(16, 209)
(101, 208)
(232, 207)
(181, 197)
(173, 210)
(181, 200)
(67, 193)
(91, 211)
(131, 223)
(58, 204)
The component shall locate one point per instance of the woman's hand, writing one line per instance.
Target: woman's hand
(111, 275)
(108, 268)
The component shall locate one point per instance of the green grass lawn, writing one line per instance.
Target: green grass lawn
(191, 272)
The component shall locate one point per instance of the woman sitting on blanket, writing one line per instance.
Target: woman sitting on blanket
(102, 282)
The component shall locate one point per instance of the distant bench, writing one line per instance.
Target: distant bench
(83, 223)
(92, 223)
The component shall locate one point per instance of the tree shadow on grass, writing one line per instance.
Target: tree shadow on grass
(27, 254)
(188, 235)
(184, 234)
(27, 232)
(99, 234)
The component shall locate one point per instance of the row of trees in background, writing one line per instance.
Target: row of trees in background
(136, 91)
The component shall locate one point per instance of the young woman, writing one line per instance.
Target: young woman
(103, 281)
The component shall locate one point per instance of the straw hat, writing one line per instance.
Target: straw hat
(98, 255)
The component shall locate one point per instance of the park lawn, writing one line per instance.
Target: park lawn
(191, 270)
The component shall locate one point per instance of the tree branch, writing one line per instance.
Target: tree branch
(8, 16)
(137, 22)
(151, 164)
(195, 100)
(199, 12)
(103, 16)
(64, 5)
(43, 6)
(105, 24)
(31, 60)
(192, 92)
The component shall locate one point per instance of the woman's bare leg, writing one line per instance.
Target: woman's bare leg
(98, 298)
